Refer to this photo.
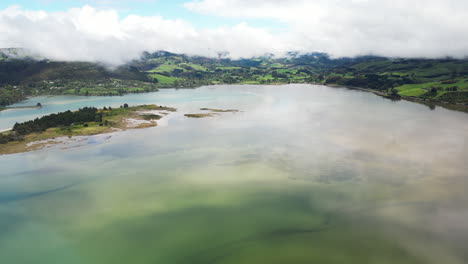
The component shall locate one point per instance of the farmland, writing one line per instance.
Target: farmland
(428, 79)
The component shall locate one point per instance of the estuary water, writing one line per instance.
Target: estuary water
(303, 174)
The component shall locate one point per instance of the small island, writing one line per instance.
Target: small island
(200, 115)
(84, 122)
(220, 110)
(211, 112)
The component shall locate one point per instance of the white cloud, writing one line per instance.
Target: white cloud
(426, 28)
(100, 35)
(415, 28)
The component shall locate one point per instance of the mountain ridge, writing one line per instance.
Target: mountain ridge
(444, 80)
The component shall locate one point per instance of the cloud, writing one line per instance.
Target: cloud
(89, 34)
(394, 28)
(115, 4)
(401, 28)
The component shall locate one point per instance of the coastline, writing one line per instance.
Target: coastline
(18, 107)
(113, 121)
(431, 103)
(22, 107)
(427, 102)
(119, 119)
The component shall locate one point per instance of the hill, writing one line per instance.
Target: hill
(444, 80)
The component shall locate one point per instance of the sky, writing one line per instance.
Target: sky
(116, 31)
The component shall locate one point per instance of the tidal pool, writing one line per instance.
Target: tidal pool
(303, 174)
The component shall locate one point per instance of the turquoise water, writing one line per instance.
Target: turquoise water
(304, 174)
(180, 97)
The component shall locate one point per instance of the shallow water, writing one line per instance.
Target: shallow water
(304, 174)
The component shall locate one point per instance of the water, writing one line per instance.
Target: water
(179, 97)
(304, 174)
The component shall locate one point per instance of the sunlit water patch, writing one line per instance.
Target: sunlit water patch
(303, 174)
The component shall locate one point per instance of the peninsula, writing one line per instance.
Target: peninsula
(57, 128)
(37, 133)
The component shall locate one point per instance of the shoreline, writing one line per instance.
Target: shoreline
(113, 121)
(118, 119)
(459, 107)
(19, 107)
(431, 103)
(22, 107)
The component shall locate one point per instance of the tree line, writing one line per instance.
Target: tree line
(87, 114)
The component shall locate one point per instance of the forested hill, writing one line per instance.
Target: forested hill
(432, 79)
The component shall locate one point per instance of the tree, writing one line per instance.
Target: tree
(39, 105)
(453, 74)
(125, 105)
(394, 92)
(333, 80)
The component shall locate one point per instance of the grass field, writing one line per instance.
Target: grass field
(229, 68)
(164, 80)
(196, 67)
(413, 92)
(461, 84)
(167, 68)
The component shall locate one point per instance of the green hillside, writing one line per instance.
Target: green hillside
(436, 80)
